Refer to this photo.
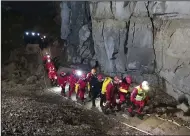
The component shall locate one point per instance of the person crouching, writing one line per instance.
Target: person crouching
(111, 91)
(123, 91)
(139, 97)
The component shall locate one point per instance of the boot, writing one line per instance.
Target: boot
(140, 116)
(93, 103)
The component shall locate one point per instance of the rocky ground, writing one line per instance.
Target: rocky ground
(28, 110)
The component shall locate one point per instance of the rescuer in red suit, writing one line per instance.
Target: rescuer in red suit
(82, 86)
(52, 75)
(49, 65)
(139, 98)
(62, 81)
(111, 92)
(72, 81)
(45, 58)
(123, 90)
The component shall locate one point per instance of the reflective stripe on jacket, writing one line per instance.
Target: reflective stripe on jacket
(141, 95)
(105, 83)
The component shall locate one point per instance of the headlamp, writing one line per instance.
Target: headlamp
(27, 33)
(48, 56)
(44, 36)
(55, 77)
(79, 73)
(33, 33)
(38, 34)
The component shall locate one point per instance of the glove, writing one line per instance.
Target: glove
(117, 101)
(107, 102)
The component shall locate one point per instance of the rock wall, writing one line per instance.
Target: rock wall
(149, 40)
(172, 48)
(76, 30)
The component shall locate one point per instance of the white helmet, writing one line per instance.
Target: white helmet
(145, 86)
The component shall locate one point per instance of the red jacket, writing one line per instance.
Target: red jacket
(134, 94)
(110, 91)
(124, 86)
(72, 80)
(52, 75)
(49, 65)
(82, 84)
(62, 81)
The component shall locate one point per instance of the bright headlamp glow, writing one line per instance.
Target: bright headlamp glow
(44, 36)
(27, 33)
(79, 73)
(48, 56)
(38, 34)
(55, 77)
(33, 33)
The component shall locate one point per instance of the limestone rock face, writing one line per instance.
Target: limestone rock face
(172, 53)
(109, 38)
(139, 38)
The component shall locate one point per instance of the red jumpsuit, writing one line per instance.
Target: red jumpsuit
(110, 95)
(72, 80)
(82, 86)
(122, 94)
(136, 103)
(49, 65)
(62, 81)
(52, 75)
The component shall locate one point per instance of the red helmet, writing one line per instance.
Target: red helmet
(62, 74)
(83, 76)
(128, 79)
(100, 77)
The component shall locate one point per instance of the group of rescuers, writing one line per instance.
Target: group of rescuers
(112, 91)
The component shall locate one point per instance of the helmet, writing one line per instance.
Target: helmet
(47, 53)
(93, 71)
(145, 86)
(128, 79)
(117, 80)
(62, 74)
(100, 77)
(83, 76)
